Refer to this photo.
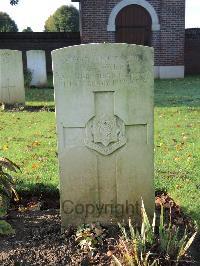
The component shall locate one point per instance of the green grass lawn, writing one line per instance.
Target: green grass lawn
(177, 141)
(29, 139)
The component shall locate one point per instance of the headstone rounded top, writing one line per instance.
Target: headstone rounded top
(104, 45)
(35, 51)
(3, 51)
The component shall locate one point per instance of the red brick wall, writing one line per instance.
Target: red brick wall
(168, 42)
(172, 33)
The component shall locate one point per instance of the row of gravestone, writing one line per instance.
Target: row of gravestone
(104, 113)
(12, 77)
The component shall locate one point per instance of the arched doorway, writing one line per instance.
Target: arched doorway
(134, 25)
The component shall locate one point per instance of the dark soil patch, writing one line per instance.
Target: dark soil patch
(27, 108)
(38, 239)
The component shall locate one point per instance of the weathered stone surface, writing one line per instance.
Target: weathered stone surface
(11, 77)
(104, 110)
(36, 62)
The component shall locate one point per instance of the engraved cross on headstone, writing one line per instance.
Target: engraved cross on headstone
(105, 132)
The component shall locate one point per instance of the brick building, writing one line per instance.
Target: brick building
(157, 23)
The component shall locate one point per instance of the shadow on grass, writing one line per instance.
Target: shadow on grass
(35, 108)
(37, 189)
(168, 93)
(195, 250)
(40, 97)
(178, 92)
(29, 108)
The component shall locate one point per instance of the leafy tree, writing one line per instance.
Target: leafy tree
(65, 19)
(50, 24)
(28, 29)
(7, 24)
(14, 2)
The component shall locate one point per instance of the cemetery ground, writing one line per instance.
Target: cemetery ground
(28, 137)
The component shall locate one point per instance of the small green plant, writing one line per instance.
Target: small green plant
(7, 190)
(27, 78)
(146, 248)
(89, 235)
(172, 245)
(5, 228)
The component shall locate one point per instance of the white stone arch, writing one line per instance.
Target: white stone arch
(155, 20)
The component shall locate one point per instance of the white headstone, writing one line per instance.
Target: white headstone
(36, 63)
(11, 77)
(104, 111)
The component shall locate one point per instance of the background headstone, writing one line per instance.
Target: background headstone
(104, 109)
(36, 63)
(11, 77)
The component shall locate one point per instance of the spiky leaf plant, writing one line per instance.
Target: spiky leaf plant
(146, 248)
(7, 191)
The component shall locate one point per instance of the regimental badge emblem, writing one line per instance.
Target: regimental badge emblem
(105, 134)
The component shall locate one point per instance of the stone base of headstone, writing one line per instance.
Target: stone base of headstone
(39, 86)
(16, 106)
